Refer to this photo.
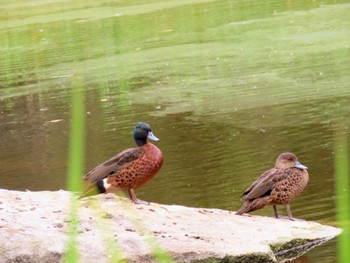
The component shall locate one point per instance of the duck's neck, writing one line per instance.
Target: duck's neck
(140, 142)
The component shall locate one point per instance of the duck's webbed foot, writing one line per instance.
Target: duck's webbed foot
(290, 217)
(134, 199)
(140, 202)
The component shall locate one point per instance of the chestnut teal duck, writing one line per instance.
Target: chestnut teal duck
(277, 186)
(128, 169)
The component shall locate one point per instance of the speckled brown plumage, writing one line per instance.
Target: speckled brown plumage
(130, 168)
(142, 164)
(277, 186)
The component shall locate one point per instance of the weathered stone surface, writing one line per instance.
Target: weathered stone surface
(34, 228)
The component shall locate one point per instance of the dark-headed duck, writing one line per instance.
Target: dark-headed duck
(130, 168)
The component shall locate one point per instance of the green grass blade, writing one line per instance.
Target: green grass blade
(75, 170)
(342, 195)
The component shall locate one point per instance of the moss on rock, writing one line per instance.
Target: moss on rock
(294, 248)
(249, 258)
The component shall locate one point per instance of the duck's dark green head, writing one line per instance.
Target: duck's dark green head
(142, 131)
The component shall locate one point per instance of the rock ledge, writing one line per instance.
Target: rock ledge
(34, 228)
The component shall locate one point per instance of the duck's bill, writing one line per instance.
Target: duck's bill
(300, 166)
(152, 137)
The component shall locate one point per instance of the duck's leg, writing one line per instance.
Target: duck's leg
(275, 211)
(134, 199)
(290, 217)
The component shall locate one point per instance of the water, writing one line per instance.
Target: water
(226, 86)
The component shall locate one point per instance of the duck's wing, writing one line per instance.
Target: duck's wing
(264, 184)
(113, 165)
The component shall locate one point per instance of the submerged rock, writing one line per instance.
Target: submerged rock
(34, 227)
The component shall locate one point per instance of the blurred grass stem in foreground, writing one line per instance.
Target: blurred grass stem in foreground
(75, 168)
(341, 163)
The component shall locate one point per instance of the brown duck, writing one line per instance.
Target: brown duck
(277, 186)
(130, 168)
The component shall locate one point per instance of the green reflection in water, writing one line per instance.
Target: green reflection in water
(342, 195)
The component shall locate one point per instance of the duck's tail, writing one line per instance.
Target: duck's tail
(251, 205)
(93, 189)
(245, 208)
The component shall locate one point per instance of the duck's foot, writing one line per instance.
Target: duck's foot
(296, 219)
(134, 199)
(284, 217)
(290, 218)
(140, 202)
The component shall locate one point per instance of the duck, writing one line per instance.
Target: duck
(129, 169)
(277, 186)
